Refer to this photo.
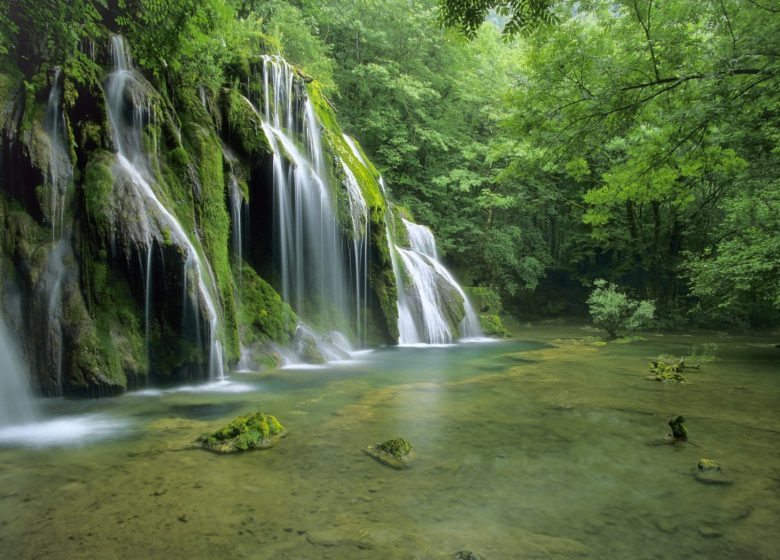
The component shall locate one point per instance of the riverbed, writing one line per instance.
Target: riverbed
(550, 445)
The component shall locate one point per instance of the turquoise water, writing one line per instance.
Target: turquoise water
(545, 448)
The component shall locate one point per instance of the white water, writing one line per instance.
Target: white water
(16, 404)
(50, 282)
(421, 315)
(317, 275)
(132, 162)
(422, 286)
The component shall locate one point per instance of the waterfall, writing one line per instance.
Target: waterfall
(426, 293)
(323, 272)
(59, 163)
(16, 405)
(122, 84)
(422, 283)
(50, 282)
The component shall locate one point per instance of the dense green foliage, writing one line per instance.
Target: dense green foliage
(614, 311)
(633, 140)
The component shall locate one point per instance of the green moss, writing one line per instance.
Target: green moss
(397, 447)
(244, 124)
(98, 184)
(250, 431)
(212, 216)
(397, 453)
(10, 88)
(484, 300)
(491, 325)
(263, 316)
(94, 364)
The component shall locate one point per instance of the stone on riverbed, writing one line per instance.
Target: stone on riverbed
(250, 431)
(396, 453)
(709, 472)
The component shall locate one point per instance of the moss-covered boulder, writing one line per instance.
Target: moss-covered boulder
(492, 326)
(250, 431)
(397, 453)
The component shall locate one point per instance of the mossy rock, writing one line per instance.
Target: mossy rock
(397, 453)
(709, 472)
(492, 326)
(250, 431)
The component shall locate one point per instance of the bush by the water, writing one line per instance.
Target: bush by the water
(613, 311)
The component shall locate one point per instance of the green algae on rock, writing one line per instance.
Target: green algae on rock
(250, 431)
(397, 453)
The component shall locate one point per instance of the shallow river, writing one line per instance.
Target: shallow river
(548, 447)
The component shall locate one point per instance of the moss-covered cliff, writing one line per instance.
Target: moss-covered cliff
(96, 275)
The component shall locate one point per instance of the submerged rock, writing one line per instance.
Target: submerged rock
(679, 431)
(397, 453)
(709, 472)
(251, 431)
(466, 555)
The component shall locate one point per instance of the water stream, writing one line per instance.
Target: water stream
(523, 451)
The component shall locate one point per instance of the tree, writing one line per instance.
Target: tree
(614, 311)
(517, 15)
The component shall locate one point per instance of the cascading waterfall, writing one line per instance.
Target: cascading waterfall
(422, 283)
(16, 404)
(123, 83)
(309, 244)
(428, 284)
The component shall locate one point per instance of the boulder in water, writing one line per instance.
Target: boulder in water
(466, 555)
(397, 453)
(709, 472)
(306, 347)
(250, 431)
(679, 431)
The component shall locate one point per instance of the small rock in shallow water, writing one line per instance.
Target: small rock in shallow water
(466, 555)
(708, 465)
(396, 453)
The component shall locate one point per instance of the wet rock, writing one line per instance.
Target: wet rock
(397, 453)
(708, 465)
(306, 347)
(709, 472)
(251, 431)
(679, 431)
(466, 555)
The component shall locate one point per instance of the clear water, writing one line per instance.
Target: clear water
(524, 450)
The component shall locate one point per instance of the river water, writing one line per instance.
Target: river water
(545, 447)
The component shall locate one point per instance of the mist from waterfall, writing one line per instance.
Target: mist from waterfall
(16, 404)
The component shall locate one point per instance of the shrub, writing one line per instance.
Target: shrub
(613, 311)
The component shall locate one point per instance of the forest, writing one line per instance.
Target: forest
(635, 141)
